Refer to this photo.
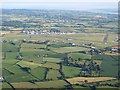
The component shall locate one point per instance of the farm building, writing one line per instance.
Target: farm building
(116, 48)
(1, 78)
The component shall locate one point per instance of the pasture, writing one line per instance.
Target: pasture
(52, 84)
(52, 60)
(39, 73)
(9, 47)
(110, 66)
(70, 71)
(26, 85)
(34, 46)
(79, 56)
(68, 49)
(6, 85)
(51, 65)
(11, 55)
(28, 64)
(53, 74)
(20, 77)
(31, 52)
(34, 59)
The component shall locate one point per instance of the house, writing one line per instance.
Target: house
(73, 44)
(116, 40)
(1, 78)
(116, 48)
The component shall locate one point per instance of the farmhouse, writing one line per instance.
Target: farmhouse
(116, 40)
(1, 78)
(116, 48)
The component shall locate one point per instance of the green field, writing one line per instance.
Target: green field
(15, 69)
(8, 63)
(60, 49)
(52, 84)
(68, 49)
(6, 85)
(70, 71)
(28, 64)
(29, 52)
(51, 65)
(79, 56)
(110, 66)
(53, 74)
(39, 73)
(8, 47)
(34, 46)
(23, 85)
(53, 60)
(25, 77)
(12, 55)
(5, 72)
(33, 58)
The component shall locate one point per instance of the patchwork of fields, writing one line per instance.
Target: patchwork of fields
(31, 65)
(67, 50)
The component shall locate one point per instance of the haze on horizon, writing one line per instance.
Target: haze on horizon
(61, 5)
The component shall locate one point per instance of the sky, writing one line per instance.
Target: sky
(59, 0)
(59, 4)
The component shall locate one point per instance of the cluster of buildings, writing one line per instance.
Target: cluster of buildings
(45, 32)
(40, 32)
